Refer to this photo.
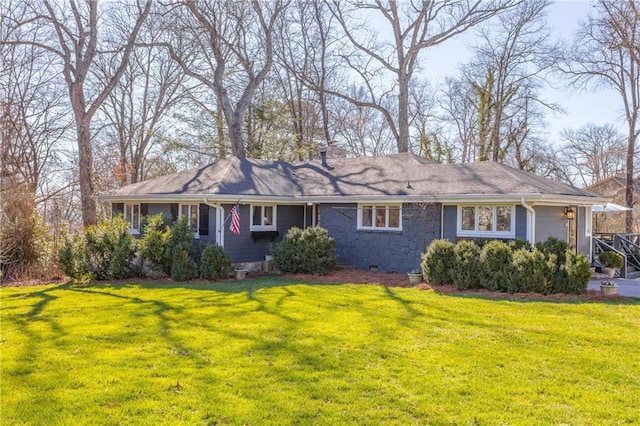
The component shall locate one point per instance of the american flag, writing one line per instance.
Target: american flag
(235, 220)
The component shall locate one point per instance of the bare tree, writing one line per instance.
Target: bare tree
(363, 130)
(134, 112)
(303, 57)
(592, 153)
(460, 118)
(605, 54)
(507, 70)
(76, 34)
(33, 118)
(234, 46)
(415, 26)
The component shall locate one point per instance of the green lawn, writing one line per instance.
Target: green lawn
(268, 351)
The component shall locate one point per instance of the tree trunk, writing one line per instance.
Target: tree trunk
(85, 164)
(403, 113)
(235, 135)
(629, 189)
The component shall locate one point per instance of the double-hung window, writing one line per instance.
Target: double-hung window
(263, 217)
(380, 217)
(486, 221)
(191, 211)
(132, 215)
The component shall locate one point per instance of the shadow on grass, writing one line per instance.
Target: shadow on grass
(561, 299)
(249, 285)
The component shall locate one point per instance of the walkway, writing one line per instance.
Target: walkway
(627, 288)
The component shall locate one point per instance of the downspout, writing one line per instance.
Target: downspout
(531, 225)
(219, 227)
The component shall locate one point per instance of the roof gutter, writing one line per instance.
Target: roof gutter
(540, 199)
(531, 224)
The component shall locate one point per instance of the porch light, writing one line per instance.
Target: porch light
(569, 213)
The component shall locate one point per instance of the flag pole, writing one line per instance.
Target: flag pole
(228, 215)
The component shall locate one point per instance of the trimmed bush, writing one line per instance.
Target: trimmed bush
(105, 251)
(183, 268)
(308, 251)
(519, 244)
(438, 262)
(215, 263)
(154, 243)
(497, 266)
(467, 268)
(554, 246)
(532, 272)
(160, 241)
(109, 249)
(576, 274)
(69, 258)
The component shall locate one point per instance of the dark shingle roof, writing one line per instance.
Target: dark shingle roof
(400, 174)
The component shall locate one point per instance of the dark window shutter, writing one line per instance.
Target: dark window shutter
(204, 219)
(117, 208)
(144, 209)
(174, 211)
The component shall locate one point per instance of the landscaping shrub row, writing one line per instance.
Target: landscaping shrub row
(551, 267)
(108, 251)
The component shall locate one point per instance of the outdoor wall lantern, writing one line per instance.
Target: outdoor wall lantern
(569, 213)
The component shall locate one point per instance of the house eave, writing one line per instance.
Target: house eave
(533, 199)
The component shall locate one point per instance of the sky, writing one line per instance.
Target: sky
(582, 107)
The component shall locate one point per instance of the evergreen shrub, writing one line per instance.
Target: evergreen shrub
(577, 272)
(183, 268)
(438, 262)
(532, 272)
(466, 273)
(104, 251)
(215, 263)
(311, 250)
(161, 240)
(497, 266)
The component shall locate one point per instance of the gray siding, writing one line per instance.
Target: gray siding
(390, 251)
(242, 248)
(550, 222)
(450, 223)
(521, 223)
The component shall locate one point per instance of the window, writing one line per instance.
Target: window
(190, 211)
(263, 218)
(486, 221)
(380, 217)
(132, 215)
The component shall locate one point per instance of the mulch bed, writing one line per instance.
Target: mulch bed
(401, 280)
(354, 276)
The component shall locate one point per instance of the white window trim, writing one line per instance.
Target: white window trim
(262, 227)
(378, 228)
(196, 232)
(485, 234)
(128, 216)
